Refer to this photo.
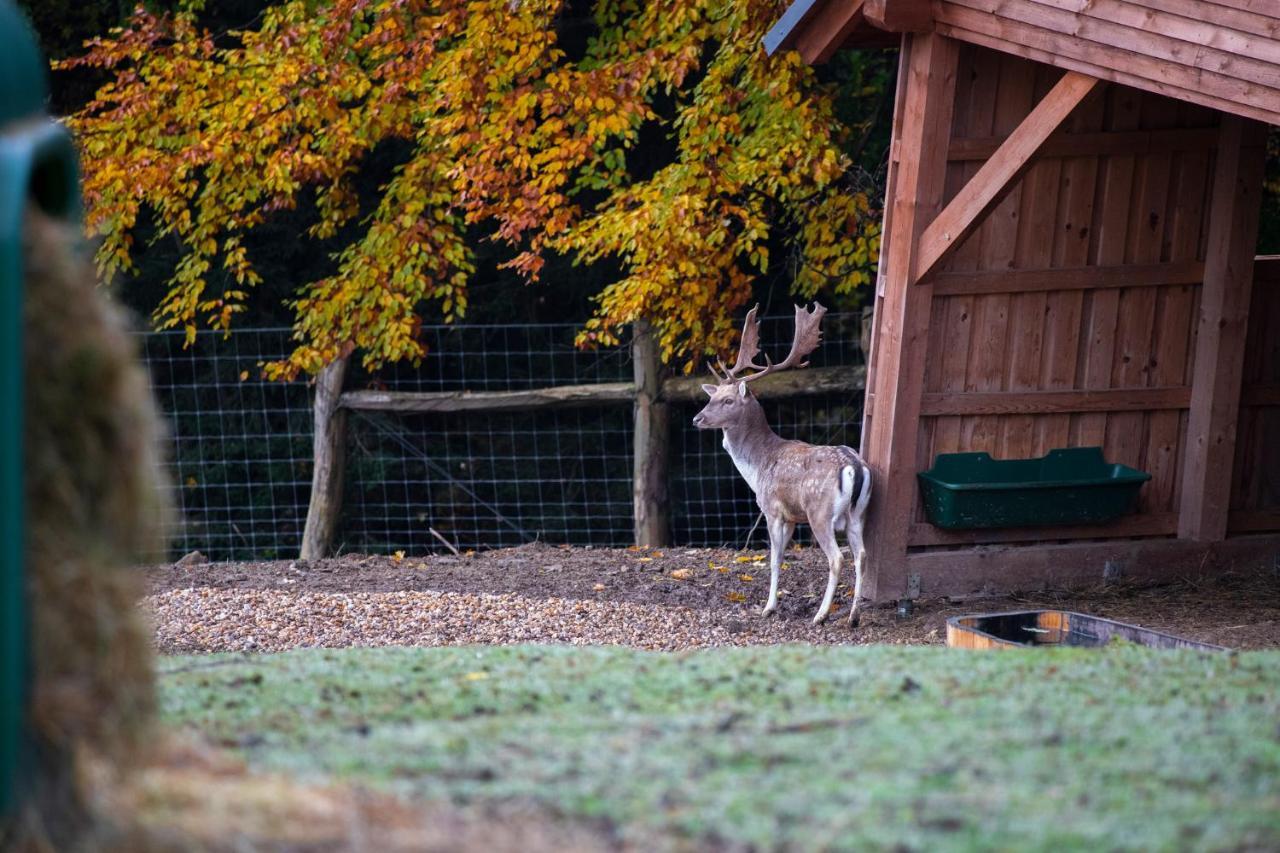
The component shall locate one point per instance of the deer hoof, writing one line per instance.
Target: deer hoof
(769, 611)
(820, 618)
(854, 620)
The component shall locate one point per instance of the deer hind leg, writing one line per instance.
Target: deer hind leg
(780, 533)
(854, 529)
(825, 533)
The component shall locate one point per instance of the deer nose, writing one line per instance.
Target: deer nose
(697, 419)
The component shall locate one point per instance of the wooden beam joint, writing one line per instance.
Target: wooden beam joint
(1011, 160)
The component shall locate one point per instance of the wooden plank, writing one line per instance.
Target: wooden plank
(1174, 321)
(950, 337)
(1254, 521)
(1150, 42)
(1068, 144)
(685, 389)
(1054, 402)
(1107, 245)
(329, 449)
(1241, 21)
(1038, 210)
(929, 64)
(1007, 568)
(1014, 98)
(998, 174)
(559, 397)
(1151, 524)
(1041, 46)
(1260, 395)
(651, 442)
(1065, 308)
(900, 16)
(819, 37)
(812, 381)
(1223, 327)
(1203, 29)
(1144, 53)
(1068, 278)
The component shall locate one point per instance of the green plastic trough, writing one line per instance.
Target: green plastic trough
(964, 491)
(37, 166)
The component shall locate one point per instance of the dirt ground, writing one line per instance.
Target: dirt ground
(722, 591)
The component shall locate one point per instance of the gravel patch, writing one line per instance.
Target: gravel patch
(666, 599)
(217, 620)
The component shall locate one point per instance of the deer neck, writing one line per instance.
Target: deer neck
(751, 444)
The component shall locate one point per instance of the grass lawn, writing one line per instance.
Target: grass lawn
(861, 747)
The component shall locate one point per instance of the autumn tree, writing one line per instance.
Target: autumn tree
(210, 134)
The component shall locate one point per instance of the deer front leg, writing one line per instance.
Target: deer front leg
(825, 533)
(780, 533)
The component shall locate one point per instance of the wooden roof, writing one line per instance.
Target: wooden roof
(1223, 54)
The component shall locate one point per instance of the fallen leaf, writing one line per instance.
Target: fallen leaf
(646, 559)
(470, 552)
(736, 597)
(598, 587)
(476, 676)
(244, 374)
(743, 559)
(746, 578)
(657, 553)
(682, 574)
(398, 556)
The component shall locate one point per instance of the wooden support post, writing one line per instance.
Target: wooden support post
(652, 426)
(1223, 326)
(330, 462)
(1010, 161)
(927, 75)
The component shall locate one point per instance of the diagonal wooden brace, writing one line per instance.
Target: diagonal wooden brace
(1015, 155)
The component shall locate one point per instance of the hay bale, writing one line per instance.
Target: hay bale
(95, 509)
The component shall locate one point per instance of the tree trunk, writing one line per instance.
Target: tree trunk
(330, 459)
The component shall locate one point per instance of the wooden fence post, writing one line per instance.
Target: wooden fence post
(330, 458)
(651, 437)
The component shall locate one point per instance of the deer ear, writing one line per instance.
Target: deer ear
(710, 389)
(742, 390)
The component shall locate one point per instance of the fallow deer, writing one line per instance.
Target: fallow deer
(827, 488)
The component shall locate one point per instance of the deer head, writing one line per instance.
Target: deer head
(730, 397)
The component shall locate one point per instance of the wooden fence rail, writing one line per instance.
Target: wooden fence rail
(651, 395)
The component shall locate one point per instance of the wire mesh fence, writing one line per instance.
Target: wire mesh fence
(241, 447)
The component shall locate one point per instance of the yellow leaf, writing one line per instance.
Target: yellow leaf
(398, 556)
(682, 574)
(646, 559)
(743, 559)
(736, 597)
(244, 374)
(476, 676)
(746, 578)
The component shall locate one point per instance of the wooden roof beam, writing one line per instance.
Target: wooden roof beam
(900, 16)
(818, 28)
(1010, 161)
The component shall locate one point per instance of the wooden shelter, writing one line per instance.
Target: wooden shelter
(1068, 260)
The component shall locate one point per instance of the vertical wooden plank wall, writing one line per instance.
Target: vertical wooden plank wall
(1086, 277)
(1255, 492)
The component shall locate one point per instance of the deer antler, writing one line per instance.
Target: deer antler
(748, 348)
(807, 338)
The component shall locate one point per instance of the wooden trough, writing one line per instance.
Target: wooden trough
(1025, 628)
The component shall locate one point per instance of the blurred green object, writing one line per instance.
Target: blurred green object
(1067, 486)
(37, 166)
